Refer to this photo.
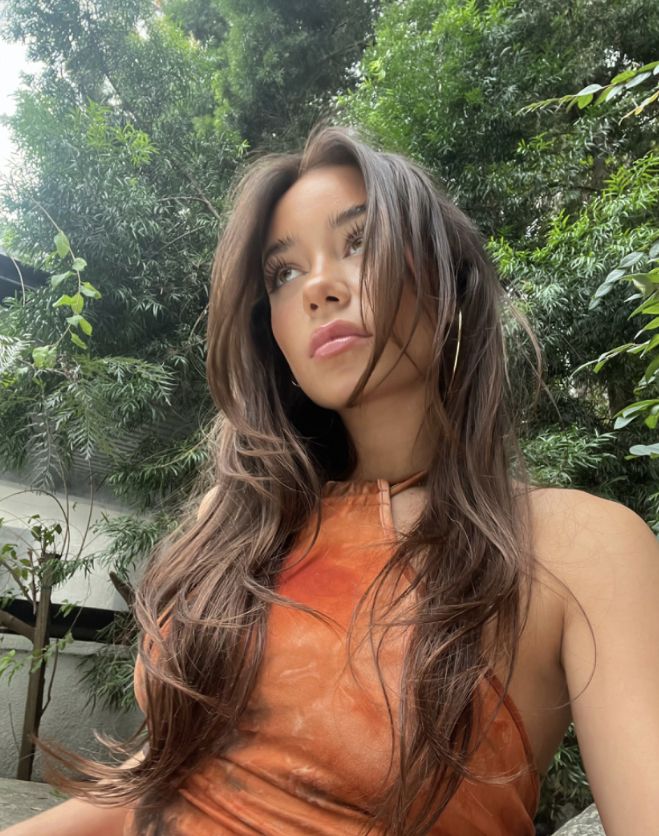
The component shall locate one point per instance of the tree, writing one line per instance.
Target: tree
(445, 82)
(118, 195)
(279, 61)
(130, 135)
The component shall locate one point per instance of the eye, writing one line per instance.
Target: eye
(356, 237)
(274, 271)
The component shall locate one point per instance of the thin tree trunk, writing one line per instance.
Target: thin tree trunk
(34, 700)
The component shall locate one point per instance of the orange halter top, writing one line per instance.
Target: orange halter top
(315, 743)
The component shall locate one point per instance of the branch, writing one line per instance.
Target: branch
(16, 625)
(13, 571)
(124, 589)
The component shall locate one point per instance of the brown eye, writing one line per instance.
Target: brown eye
(273, 273)
(356, 238)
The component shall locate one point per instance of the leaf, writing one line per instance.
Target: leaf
(57, 279)
(649, 307)
(643, 281)
(62, 244)
(636, 111)
(79, 264)
(623, 76)
(607, 93)
(638, 79)
(582, 101)
(63, 300)
(636, 407)
(44, 356)
(650, 326)
(605, 287)
(614, 275)
(75, 339)
(604, 358)
(77, 303)
(85, 326)
(592, 88)
(620, 423)
(651, 368)
(631, 258)
(654, 250)
(644, 450)
(88, 289)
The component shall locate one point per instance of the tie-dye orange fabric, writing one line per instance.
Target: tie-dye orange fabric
(314, 745)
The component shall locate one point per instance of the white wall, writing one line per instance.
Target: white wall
(67, 720)
(17, 503)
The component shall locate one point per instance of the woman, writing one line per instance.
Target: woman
(376, 624)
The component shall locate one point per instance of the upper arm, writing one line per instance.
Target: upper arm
(613, 570)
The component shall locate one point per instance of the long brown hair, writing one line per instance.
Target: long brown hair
(272, 451)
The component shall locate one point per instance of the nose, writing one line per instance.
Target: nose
(328, 287)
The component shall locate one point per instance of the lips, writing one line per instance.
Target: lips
(333, 331)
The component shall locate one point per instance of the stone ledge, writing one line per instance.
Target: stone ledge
(23, 799)
(587, 823)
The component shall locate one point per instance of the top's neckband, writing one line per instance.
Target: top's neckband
(355, 486)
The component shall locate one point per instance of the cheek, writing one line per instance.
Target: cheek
(421, 343)
(281, 330)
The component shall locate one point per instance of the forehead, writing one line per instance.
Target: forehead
(318, 194)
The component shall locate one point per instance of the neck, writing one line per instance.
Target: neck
(388, 433)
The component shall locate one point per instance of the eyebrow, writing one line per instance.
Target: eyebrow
(334, 222)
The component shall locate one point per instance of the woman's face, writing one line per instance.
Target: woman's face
(312, 279)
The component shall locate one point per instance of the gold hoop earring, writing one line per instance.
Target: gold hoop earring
(457, 348)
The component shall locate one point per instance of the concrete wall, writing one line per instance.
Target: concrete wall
(67, 719)
(17, 503)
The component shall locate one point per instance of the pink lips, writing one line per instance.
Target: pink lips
(334, 337)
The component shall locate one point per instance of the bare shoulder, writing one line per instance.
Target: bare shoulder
(584, 545)
(607, 557)
(581, 533)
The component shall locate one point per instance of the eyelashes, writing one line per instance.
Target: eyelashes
(275, 267)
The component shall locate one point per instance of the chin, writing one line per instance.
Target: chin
(336, 400)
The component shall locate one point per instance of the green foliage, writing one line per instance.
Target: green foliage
(554, 282)
(130, 134)
(565, 791)
(561, 457)
(645, 281)
(445, 83)
(41, 561)
(639, 213)
(108, 675)
(119, 170)
(129, 540)
(278, 62)
(620, 83)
